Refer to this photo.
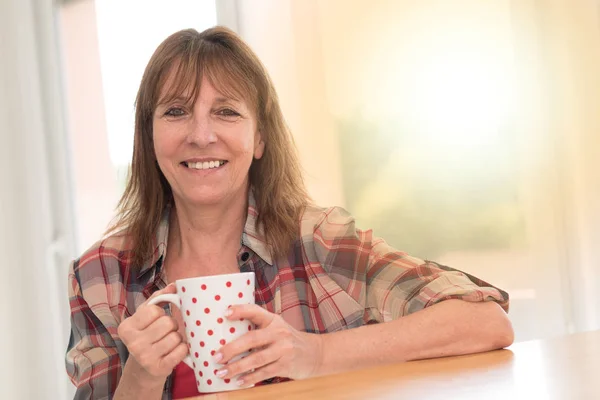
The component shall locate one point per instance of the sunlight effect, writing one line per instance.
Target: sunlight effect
(462, 98)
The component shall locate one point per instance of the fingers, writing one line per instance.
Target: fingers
(256, 314)
(251, 340)
(259, 375)
(147, 314)
(161, 328)
(167, 344)
(255, 360)
(176, 356)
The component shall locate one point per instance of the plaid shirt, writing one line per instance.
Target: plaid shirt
(335, 277)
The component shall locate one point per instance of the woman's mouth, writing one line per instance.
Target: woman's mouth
(205, 165)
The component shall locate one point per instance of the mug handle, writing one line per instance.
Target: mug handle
(173, 299)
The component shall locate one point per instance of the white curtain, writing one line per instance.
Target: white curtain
(560, 43)
(36, 236)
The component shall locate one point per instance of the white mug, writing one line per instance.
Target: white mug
(203, 302)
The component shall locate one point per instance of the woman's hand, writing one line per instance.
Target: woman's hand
(152, 339)
(279, 349)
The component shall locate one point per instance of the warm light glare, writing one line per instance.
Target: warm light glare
(461, 98)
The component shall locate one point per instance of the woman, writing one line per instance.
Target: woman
(215, 180)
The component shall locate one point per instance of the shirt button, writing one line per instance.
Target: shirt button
(245, 256)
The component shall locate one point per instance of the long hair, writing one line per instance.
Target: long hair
(232, 67)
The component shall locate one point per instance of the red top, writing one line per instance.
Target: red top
(184, 382)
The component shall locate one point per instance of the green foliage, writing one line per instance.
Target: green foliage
(427, 200)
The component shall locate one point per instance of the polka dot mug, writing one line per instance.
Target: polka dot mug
(203, 302)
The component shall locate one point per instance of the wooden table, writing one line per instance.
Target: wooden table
(562, 368)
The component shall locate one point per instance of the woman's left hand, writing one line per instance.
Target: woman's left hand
(279, 349)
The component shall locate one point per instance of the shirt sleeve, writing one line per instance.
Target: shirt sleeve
(389, 283)
(95, 354)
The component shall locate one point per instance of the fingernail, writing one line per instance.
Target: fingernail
(239, 382)
(218, 357)
(228, 312)
(222, 373)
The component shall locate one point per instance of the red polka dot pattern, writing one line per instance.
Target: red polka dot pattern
(217, 330)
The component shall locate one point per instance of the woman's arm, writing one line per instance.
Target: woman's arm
(449, 328)
(136, 383)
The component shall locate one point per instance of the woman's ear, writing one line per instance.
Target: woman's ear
(259, 146)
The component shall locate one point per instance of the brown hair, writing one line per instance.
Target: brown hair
(232, 67)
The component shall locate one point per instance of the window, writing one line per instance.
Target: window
(106, 45)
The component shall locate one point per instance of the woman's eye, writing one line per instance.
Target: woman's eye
(174, 112)
(227, 112)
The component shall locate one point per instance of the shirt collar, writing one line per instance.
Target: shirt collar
(252, 237)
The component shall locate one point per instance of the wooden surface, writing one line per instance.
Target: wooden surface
(561, 368)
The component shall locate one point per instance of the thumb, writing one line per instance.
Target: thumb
(169, 289)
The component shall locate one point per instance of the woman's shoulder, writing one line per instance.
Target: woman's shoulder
(108, 256)
(327, 221)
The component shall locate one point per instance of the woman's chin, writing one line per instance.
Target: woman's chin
(208, 198)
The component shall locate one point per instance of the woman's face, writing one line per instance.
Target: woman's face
(205, 149)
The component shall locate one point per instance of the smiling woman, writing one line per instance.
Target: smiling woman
(224, 138)
(215, 179)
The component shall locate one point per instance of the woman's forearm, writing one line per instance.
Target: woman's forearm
(136, 384)
(451, 327)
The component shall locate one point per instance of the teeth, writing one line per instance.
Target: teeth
(206, 164)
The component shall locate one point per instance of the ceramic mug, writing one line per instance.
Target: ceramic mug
(203, 302)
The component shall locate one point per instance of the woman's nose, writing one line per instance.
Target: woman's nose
(201, 132)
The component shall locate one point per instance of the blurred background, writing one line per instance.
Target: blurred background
(462, 131)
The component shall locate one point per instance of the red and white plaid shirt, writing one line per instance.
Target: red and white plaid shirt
(335, 277)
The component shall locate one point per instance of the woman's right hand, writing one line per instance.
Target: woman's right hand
(152, 338)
